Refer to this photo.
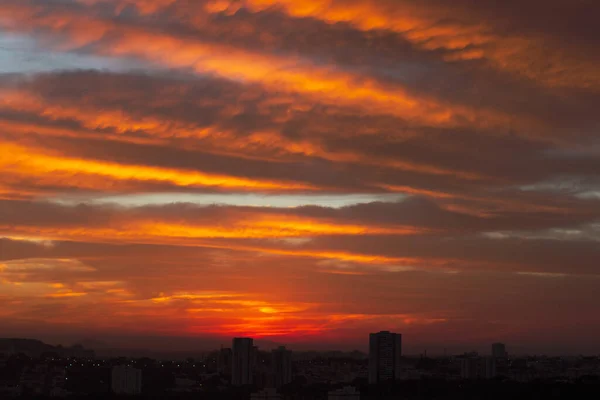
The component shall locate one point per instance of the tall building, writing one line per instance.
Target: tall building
(254, 357)
(385, 352)
(281, 365)
(475, 367)
(470, 367)
(499, 350)
(126, 380)
(243, 361)
(490, 368)
(224, 361)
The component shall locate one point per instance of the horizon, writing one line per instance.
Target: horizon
(303, 172)
(151, 348)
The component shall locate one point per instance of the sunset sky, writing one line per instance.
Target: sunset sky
(301, 171)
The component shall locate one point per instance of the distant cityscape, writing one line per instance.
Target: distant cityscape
(32, 369)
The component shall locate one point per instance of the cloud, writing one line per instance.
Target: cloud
(116, 141)
(465, 33)
(408, 235)
(349, 165)
(507, 38)
(111, 37)
(413, 216)
(49, 169)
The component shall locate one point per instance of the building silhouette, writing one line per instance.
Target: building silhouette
(224, 361)
(469, 367)
(490, 368)
(281, 366)
(126, 380)
(475, 367)
(385, 352)
(243, 361)
(499, 350)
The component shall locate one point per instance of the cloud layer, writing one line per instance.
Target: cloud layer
(459, 143)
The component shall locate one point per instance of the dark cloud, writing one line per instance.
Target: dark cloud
(327, 146)
(417, 212)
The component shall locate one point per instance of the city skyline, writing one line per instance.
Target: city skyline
(177, 173)
(31, 368)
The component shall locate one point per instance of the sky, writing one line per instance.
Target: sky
(302, 172)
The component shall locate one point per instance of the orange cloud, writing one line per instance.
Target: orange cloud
(29, 278)
(204, 296)
(120, 235)
(235, 223)
(282, 74)
(66, 294)
(268, 227)
(54, 169)
(461, 34)
(483, 206)
(266, 145)
(465, 40)
(218, 313)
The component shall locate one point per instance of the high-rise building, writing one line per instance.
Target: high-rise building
(490, 367)
(224, 361)
(385, 352)
(243, 361)
(499, 350)
(475, 367)
(126, 380)
(281, 365)
(254, 357)
(469, 367)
